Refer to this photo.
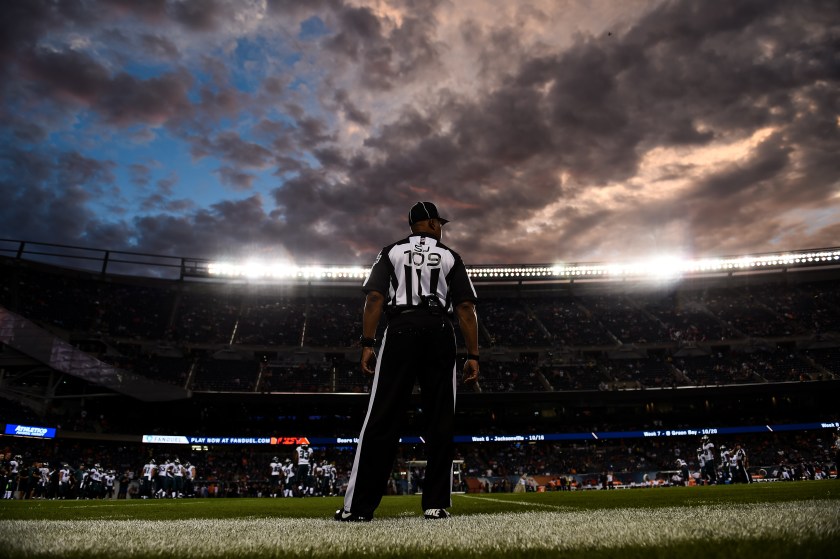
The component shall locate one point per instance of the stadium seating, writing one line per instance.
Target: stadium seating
(611, 338)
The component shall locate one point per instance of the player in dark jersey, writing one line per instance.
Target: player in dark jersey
(416, 282)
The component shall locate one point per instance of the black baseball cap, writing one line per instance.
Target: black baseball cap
(421, 211)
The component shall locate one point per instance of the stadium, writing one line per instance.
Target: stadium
(594, 376)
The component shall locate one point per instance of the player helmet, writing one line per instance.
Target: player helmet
(46, 464)
(274, 459)
(97, 465)
(177, 461)
(704, 438)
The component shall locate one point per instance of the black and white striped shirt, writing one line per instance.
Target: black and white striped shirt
(418, 268)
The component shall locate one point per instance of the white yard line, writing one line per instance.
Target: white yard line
(509, 502)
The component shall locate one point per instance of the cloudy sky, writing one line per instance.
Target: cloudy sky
(546, 130)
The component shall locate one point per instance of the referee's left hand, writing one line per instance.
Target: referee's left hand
(470, 371)
(368, 361)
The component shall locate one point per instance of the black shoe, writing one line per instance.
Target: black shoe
(435, 514)
(342, 515)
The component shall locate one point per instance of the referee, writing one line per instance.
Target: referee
(416, 281)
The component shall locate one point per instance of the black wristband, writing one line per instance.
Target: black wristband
(472, 356)
(367, 342)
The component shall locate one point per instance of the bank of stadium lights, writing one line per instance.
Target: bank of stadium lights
(658, 268)
(662, 268)
(259, 270)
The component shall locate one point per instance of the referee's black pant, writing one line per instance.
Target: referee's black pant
(417, 345)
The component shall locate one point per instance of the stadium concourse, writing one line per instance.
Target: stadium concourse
(583, 382)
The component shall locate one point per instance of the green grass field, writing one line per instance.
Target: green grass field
(770, 520)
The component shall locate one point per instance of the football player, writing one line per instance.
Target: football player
(178, 475)
(64, 481)
(189, 479)
(44, 480)
(741, 464)
(303, 456)
(95, 474)
(147, 480)
(709, 469)
(15, 464)
(289, 477)
(82, 482)
(726, 464)
(276, 473)
(684, 475)
(108, 479)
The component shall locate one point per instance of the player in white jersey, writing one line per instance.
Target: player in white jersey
(741, 464)
(836, 448)
(178, 479)
(684, 475)
(147, 480)
(64, 481)
(45, 473)
(162, 480)
(15, 464)
(96, 488)
(303, 457)
(326, 478)
(726, 464)
(189, 479)
(701, 459)
(709, 470)
(108, 480)
(288, 477)
(275, 476)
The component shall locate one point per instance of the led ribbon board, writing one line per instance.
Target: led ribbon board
(30, 431)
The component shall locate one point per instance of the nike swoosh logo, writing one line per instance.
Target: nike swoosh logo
(346, 514)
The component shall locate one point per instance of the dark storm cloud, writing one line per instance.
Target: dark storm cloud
(159, 46)
(387, 55)
(140, 174)
(231, 147)
(198, 15)
(149, 10)
(121, 99)
(161, 200)
(350, 110)
(22, 23)
(45, 196)
(237, 180)
(220, 229)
